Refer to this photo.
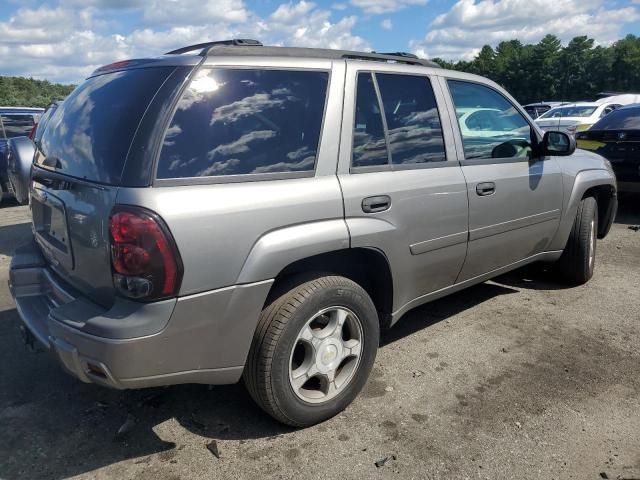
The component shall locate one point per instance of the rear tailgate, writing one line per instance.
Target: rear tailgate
(79, 167)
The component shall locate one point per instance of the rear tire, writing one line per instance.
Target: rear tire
(312, 351)
(577, 263)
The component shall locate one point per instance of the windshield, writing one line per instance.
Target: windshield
(625, 119)
(89, 134)
(574, 111)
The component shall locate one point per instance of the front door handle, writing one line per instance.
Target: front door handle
(379, 203)
(486, 188)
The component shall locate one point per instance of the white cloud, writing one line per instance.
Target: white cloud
(387, 24)
(67, 42)
(190, 12)
(385, 6)
(470, 24)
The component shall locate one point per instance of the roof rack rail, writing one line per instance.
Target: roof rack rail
(204, 47)
(245, 47)
(399, 57)
(399, 54)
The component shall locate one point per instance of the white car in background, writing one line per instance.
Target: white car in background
(575, 117)
(484, 122)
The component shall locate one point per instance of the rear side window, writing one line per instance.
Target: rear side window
(16, 125)
(89, 134)
(369, 144)
(413, 123)
(245, 121)
(413, 132)
(625, 119)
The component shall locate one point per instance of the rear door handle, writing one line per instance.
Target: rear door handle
(486, 188)
(379, 203)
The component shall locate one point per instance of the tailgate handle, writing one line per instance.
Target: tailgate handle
(486, 188)
(379, 203)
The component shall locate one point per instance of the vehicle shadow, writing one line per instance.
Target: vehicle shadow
(628, 210)
(8, 202)
(54, 426)
(434, 312)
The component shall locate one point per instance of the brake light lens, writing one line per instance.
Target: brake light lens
(145, 261)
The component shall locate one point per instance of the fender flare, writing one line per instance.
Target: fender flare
(583, 181)
(279, 248)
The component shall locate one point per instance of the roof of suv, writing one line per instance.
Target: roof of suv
(253, 48)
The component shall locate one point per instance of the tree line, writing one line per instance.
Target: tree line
(548, 71)
(28, 92)
(531, 73)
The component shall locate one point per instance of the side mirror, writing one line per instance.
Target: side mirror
(21, 152)
(558, 144)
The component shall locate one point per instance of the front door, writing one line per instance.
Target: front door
(514, 197)
(404, 192)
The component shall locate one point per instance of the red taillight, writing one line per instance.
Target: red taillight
(144, 258)
(32, 133)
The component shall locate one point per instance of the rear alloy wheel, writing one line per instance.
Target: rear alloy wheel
(578, 259)
(313, 350)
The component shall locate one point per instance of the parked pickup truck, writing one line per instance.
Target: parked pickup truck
(233, 211)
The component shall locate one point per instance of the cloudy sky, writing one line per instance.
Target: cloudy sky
(64, 40)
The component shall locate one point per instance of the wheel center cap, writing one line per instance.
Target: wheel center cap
(329, 355)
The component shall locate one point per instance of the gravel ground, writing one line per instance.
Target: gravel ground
(515, 378)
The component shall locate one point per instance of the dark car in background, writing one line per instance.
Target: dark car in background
(617, 138)
(14, 122)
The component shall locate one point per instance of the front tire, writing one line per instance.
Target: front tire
(312, 351)
(578, 259)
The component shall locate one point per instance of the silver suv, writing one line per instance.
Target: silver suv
(231, 210)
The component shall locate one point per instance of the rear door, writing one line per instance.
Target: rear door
(79, 165)
(404, 192)
(514, 197)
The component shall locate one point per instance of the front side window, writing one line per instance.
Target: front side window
(490, 125)
(574, 111)
(245, 121)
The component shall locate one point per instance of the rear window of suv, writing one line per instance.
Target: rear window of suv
(89, 134)
(245, 121)
(15, 124)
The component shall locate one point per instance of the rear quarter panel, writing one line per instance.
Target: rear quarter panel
(217, 226)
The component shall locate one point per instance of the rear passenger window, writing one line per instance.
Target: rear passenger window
(245, 121)
(413, 123)
(369, 145)
(413, 129)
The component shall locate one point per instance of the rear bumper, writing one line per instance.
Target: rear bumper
(202, 338)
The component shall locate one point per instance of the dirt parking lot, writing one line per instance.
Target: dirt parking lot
(515, 378)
